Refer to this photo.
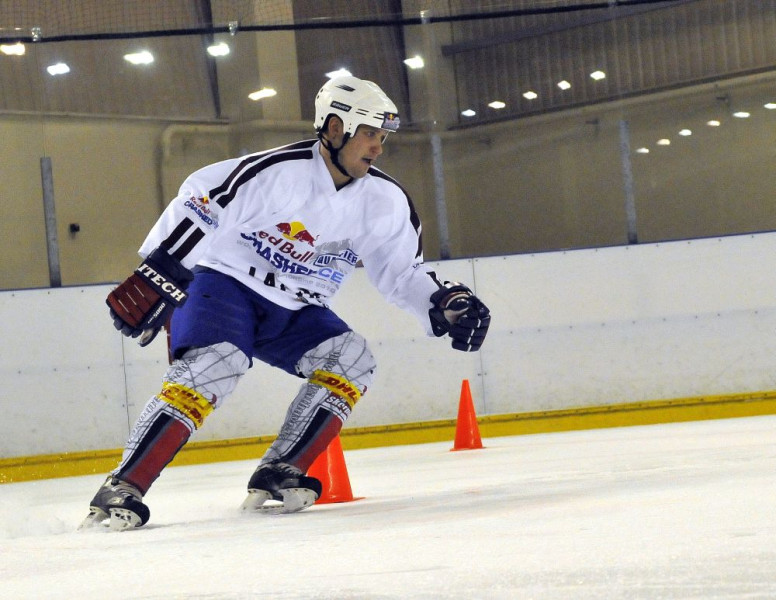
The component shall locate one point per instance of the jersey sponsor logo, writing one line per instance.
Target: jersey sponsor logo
(335, 261)
(282, 254)
(331, 274)
(347, 256)
(299, 268)
(296, 231)
(199, 206)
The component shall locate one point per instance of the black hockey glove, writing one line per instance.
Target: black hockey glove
(144, 302)
(459, 313)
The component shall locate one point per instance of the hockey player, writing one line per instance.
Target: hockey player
(245, 261)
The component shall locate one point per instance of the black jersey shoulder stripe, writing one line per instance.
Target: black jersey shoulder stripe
(188, 245)
(257, 168)
(254, 164)
(177, 234)
(414, 219)
(252, 158)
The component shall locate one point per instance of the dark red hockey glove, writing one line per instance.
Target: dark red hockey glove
(144, 302)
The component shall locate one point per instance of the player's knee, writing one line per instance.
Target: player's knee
(198, 382)
(342, 364)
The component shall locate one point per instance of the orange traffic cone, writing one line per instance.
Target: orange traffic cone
(467, 431)
(330, 469)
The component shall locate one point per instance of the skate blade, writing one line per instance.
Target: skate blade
(122, 519)
(93, 520)
(119, 519)
(294, 500)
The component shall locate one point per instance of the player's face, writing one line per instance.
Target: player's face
(362, 150)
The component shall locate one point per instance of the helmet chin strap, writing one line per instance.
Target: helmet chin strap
(334, 152)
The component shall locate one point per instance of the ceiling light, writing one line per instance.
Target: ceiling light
(497, 104)
(642, 150)
(416, 62)
(220, 49)
(564, 85)
(598, 75)
(58, 69)
(339, 73)
(685, 132)
(144, 57)
(713, 123)
(16, 49)
(770, 105)
(530, 95)
(741, 114)
(468, 112)
(262, 93)
(664, 142)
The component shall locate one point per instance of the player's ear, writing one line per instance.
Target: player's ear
(334, 127)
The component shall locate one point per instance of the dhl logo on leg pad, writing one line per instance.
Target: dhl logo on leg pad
(338, 385)
(190, 402)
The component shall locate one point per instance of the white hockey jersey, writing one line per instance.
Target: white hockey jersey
(275, 222)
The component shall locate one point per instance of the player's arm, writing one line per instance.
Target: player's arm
(456, 311)
(142, 304)
(449, 308)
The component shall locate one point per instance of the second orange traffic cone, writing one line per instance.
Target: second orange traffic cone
(467, 431)
(329, 467)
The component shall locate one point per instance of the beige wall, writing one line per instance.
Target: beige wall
(22, 229)
(720, 179)
(521, 186)
(524, 188)
(106, 179)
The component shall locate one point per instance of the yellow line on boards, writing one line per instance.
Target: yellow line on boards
(27, 468)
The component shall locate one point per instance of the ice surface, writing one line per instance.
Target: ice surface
(683, 510)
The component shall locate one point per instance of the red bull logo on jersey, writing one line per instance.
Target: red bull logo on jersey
(199, 205)
(283, 254)
(201, 202)
(289, 249)
(296, 231)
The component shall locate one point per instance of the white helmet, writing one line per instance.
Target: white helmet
(357, 102)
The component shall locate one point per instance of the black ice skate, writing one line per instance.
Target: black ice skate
(120, 502)
(280, 488)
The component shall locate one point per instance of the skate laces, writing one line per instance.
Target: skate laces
(285, 469)
(124, 489)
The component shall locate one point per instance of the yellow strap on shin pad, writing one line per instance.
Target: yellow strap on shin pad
(189, 402)
(338, 385)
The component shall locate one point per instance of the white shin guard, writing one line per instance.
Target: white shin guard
(211, 372)
(339, 371)
(194, 386)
